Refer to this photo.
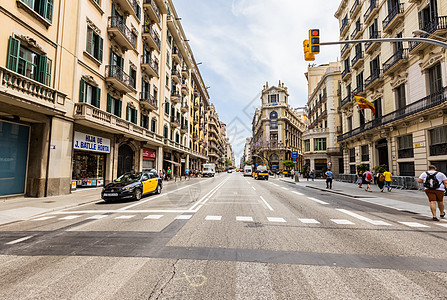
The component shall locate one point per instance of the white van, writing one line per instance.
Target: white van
(209, 170)
(248, 170)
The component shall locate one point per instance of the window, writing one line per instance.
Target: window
(401, 101)
(89, 94)
(154, 125)
(406, 169)
(167, 81)
(405, 144)
(273, 124)
(167, 108)
(116, 60)
(374, 65)
(144, 121)
(378, 106)
(94, 44)
(435, 78)
(43, 7)
(349, 121)
(359, 80)
(320, 144)
(177, 138)
(352, 155)
(361, 116)
(133, 75)
(352, 169)
(165, 132)
(28, 63)
(273, 98)
(273, 115)
(365, 153)
(438, 141)
(114, 105)
(306, 145)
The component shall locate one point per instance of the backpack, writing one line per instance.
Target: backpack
(431, 182)
(381, 177)
(369, 176)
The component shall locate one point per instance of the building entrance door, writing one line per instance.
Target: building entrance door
(125, 159)
(382, 149)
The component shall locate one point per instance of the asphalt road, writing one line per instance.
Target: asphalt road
(228, 237)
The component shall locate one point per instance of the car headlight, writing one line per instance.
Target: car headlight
(128, 188)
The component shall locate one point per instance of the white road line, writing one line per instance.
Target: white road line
(266, 204)
(208, 195)
(213, 218)
(284, 188)
(298, 193)
(183, 217)
(153, 217)
(19, 240)
(126, 217)
(45, 218)
(248, 182)
(244, 219)
(97, 217)
(318, 201)
(342, 222)
(130, 211)
(277, 220)
(309, 221)
(414, 224)
(275, 184)
(253, 188)
(69, 218)
(443, 225)
(362, 218)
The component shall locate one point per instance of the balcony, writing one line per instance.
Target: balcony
(175, 97)
(344, 26)
(195, 121)
(32, 94)
(184, 108)
(370, 12)
(357, 60)
(371, 46)
(177, 56)
(437, 26)
(356, 7)
(344, 50)
(175, 75)
(151, 38)
(346, 74)
(359, 90)
(393, 18)
(346, 100)
(148, 101)
(162, 5)
(184, 128)
(413, 110)
(121, 33)
(185, 72)
(373, 79)
(394, 62)
(119, 79)
(185, 89)
(128, 6)
(196, 106)
(357, 32)
(175, 122)
(152, 10)
(149, 65)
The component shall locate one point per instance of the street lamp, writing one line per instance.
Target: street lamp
(419, 32)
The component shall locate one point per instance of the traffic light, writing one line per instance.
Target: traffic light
(314, 41)
(307, 55)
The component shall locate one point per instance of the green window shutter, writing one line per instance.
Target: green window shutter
(109, 104)
(127, 113)
(138, 12)
(13, 54)
(120, 108)
(42, 69)
(30, 3)
(97, 92)
(135, 115)
(48, 10)
(100, 47)
(90, 41)
(82, 90)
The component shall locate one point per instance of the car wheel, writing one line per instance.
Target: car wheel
(158, 190)
(137, 194)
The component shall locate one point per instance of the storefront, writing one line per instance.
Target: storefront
(89, 160)
(149, 156)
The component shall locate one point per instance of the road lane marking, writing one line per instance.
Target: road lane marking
(244, 219)
(443, 225)
(69, 218)
(266, 204)
(253, 188)
(248, 182)
(97, 217)
(183, 217)
(153, 217)
(284, 188)
(126, 217)
(275, 184)
(362, 218)
(298, 193)
(318, 201)
(414, 224)
(205, 198)
(213, 218)
(19, 240)
(309, 221)
(44, 218)
(277, 220)
(342, 222)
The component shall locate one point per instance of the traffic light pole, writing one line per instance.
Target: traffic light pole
(390, 40)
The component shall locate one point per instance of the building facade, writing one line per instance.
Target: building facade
(106, 87)
(405, 81)
(277, 129)
(216, 138)
(321, 149)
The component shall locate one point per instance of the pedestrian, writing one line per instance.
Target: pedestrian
(312, 174)
(434, 186)
(329, 176)
(380, 180)
(388, 179)
(292, 173)
(359, 179)
(307, 175)
(368, 179)
(187, 173)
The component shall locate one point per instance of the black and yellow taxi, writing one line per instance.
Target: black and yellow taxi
(261, 174)
(132, 185)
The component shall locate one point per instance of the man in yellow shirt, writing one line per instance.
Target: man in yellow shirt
(388, 179)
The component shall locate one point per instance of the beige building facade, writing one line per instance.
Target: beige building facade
(321, 149)
(277, 129)
(405, 81)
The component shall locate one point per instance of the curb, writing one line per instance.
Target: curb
(283, 180)
(330, 191)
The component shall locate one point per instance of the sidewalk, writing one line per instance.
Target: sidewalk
(406, 200)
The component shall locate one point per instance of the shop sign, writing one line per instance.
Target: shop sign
(88, 142)
(148, 154)
(419, 145)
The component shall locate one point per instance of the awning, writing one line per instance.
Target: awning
(173, 162)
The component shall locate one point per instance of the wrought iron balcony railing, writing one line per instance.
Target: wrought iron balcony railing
(344, 24)
(146, 59)
(395, 58)
(147, 97)
(154, 6)
(118, 73)
(147, 28)
(439, 23)
(375, 74)
(357, 29)
(398, 9)
(354, 7)
(370, 9)
(358, 56)
(117, 22)
(345, 72)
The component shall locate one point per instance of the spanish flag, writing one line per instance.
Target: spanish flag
(363, 103)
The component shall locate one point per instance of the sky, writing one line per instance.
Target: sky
(241, 44)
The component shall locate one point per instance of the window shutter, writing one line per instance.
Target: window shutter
(90, 42)
(127, 113)
(135, 115)
(82, 90)
(119, 108)
(13, 53)
(109, 104)
(138, 12)
(97, 97)
(48, 12)
(42, 69)
(100, 48)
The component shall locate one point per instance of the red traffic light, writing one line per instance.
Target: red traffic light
(315, 32)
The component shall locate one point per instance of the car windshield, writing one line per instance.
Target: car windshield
(129, 177)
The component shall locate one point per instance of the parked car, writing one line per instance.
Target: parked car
(261, 174)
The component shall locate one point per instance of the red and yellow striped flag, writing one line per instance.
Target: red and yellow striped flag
(363, 103)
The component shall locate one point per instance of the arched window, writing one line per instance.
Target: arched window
(166, 132)
(273, 115)
(273, 120)
(154, 125)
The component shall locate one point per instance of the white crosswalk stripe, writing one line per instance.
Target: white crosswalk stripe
(97, 217)
(342, 222)
(309, 221)
(44, 218)
(69, 217)
(317, 200)
(298, 193)
(244, 219)
(213, 218)
(153, 217)
(443, 225)
(277, 220)
(125, 217)
(183, 217)
(414, 224)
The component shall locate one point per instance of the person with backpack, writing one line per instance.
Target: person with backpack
(388, 179)
(329, 176)
(434, 186)
(368, 179)
(380, 180)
